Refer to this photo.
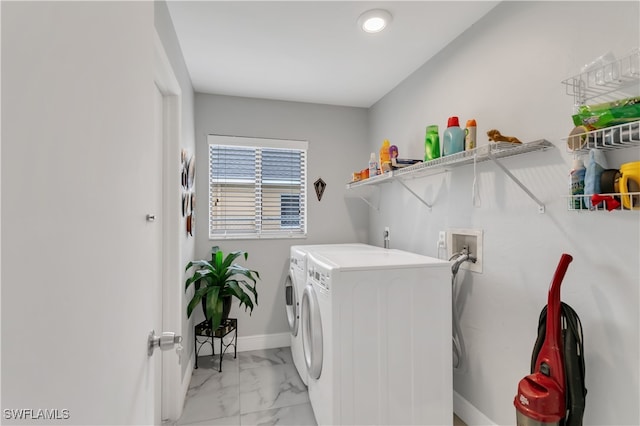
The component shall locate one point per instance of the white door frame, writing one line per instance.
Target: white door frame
(164, 77)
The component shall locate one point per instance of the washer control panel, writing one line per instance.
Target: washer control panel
(295, 263)
(318, 276)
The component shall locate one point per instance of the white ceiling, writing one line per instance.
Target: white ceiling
(313, 51)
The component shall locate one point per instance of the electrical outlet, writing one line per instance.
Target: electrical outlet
(386, 237)
(442, 239)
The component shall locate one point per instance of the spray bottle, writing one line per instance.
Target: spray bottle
(373, 165)
(470, 135)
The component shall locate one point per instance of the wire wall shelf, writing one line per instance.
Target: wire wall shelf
(492, 152)
(480, 154)
(615, 80)
(443, 164)
(622, 75)
(604, 202)
(610, 138)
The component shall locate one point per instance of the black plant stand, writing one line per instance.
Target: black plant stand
(204, 334)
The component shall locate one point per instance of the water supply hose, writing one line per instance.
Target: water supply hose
(459, 350)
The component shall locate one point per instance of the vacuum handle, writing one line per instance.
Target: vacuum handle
(553, 304)
(558, 276)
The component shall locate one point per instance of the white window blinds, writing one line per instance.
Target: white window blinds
(257, 187)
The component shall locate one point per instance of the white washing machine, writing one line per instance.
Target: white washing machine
(376, 331)
(294, 284)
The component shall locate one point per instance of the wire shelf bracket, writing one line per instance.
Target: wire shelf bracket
(541, 207)
(430, 206)
(370, 204)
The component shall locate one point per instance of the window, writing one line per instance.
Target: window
(257, 187)
(290, 210)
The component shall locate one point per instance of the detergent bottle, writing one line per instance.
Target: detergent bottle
(452, 137)
(576, 182)
(431, 143)
(385, 157)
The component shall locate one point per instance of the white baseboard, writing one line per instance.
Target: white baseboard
(468, 413)
(263, 341)
(179, 396)
(252, 343)
(185, 385)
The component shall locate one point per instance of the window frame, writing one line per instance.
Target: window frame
(285, 231)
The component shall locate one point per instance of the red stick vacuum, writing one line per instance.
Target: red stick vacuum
(541, 395)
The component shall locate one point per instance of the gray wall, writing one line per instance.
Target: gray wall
(506, 72)
(336, 137)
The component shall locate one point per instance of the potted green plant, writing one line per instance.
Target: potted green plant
(216, 281)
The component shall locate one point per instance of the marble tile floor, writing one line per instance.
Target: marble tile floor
(257, 388)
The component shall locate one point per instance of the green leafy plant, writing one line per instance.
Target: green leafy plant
(218, 279)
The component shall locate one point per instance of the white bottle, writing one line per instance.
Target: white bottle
(373, 165)
(576, 183)
(470, 135)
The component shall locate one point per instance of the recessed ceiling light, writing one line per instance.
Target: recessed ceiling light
(374, 21)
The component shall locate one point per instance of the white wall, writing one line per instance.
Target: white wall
(506, 72)
(336, 138)
(186, 243)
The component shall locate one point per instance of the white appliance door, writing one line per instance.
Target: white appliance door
(311, 332)
(291, 303)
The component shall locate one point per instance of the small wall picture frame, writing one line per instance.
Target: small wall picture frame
(187, 177)
(319, 185)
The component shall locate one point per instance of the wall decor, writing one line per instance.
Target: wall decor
(320, 186)
(183, 169)
(190, 225)
(187, 181)
(191, 173)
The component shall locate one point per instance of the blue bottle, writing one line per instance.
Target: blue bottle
(452, 137)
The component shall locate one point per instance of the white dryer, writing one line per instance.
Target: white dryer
(295, 283)
(294, 286)
(376, 331)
